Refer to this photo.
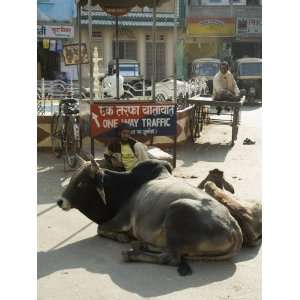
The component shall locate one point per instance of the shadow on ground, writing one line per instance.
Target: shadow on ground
(51, 177)
(192, 153)
(103, 256)
(250, 107)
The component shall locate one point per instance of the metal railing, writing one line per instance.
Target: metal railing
(49, 92)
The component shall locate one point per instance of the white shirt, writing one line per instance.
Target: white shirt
(110, 85)
(225, 81)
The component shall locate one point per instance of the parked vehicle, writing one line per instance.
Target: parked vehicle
(133, 80)
(206, 67)
(128, 68)
(164, 89)
(65, 131)
(247, 72)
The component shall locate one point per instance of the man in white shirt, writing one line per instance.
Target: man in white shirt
(110, 85)
(224, 85)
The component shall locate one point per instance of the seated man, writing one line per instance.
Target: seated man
(224, 85)
(125, 152)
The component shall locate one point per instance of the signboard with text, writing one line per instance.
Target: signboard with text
(248, 26)
(211, 26)
(55, 31)
(157, 119)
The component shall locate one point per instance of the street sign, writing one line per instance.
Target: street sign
(156, 119)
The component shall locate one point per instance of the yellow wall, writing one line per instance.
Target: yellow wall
(193, 51)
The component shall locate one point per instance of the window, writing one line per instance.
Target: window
(205, 69)
(196, 2)
(131, 70)
(160, 60)
(127, 49)
(253, 2)
(215, 2)
(239, 2)
(250, 69)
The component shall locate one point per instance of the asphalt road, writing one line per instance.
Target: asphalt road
(74, 263)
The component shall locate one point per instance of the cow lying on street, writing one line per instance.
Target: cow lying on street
(247, 213)
(170, 219)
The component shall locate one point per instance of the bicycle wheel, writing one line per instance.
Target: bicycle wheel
(73, 142)
(56, 135)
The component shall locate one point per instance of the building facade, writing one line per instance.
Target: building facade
(135, 38)
(226, 29)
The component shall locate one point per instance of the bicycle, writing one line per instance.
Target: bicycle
(65, 131)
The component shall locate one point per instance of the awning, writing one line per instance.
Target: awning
(117, 7)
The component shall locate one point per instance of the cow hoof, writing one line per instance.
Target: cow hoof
(128, 255)
(136, 245)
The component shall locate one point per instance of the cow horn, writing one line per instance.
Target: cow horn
(102, 195)
(95, 168)
(80, 160)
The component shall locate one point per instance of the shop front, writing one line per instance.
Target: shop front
(51, 39)
(54, 29)
(209, 37)
(248, 41)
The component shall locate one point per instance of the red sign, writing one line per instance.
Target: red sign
(144, 118)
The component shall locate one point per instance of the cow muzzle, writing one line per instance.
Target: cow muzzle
(64, 203)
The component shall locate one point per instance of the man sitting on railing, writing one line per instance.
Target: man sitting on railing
(125, 152)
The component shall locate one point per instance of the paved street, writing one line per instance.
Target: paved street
(75, 264)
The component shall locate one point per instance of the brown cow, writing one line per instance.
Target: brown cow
(247, 213)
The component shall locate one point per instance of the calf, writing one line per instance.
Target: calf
(247, 213)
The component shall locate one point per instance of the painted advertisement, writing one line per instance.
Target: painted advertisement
(248, 26)
(144, 118)
(211, 26)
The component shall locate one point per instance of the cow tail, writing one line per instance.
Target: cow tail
(183, 268)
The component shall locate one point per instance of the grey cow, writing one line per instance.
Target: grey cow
(169, 219)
